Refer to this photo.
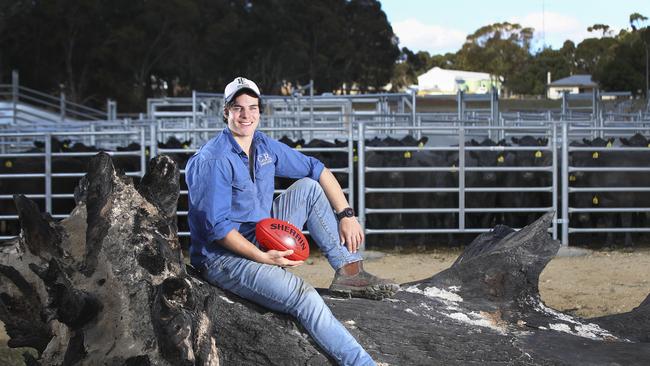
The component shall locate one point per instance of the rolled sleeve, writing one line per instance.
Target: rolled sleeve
(210, 195)
(294, 164)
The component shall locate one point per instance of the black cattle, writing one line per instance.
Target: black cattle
(393, 179)
(582, 159)
(483, 179)
(606, 179)
(637, 179)
(28, 186)
(56, 145)
(527, 179)
(297, 144)
(60, 185)
(180, 158)
(436, 199)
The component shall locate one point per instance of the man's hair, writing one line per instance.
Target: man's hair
(232, 101)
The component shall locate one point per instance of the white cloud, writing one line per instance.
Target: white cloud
(555, 28)
(433, 38)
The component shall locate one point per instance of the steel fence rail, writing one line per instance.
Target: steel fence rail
(459, 130)
(47, 175)
(356, 128)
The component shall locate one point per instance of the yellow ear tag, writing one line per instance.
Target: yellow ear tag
(354, 149)
(355, 158)
(298, 146)
(609, 144)
(420, 145)
(648, 145)
(146, 153)
(65, 146)
(185, 146)
(538, 154)
(595, 155)
(407, 155)
(9, 164)
(572, 178)
(500, 159)
(595, 200)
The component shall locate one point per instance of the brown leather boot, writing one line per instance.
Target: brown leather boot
(352, 281)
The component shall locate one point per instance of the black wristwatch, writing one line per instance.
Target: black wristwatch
(347, 212)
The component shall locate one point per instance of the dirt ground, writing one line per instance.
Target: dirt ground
(596, 284)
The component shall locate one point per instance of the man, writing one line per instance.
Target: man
(230, 184)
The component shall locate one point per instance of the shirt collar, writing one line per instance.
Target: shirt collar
(233, 143)
(257, 136)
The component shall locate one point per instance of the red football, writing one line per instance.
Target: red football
(280, 235)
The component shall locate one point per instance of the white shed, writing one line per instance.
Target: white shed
(441, 81)
(574, 84)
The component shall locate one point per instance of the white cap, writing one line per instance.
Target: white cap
(237, 85)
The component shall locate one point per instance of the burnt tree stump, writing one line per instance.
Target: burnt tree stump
(108, 285)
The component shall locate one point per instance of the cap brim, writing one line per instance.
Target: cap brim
(229, 98)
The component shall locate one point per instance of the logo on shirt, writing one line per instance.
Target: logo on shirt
(264, 158)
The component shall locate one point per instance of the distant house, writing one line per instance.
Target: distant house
(441, 81)
(574, 84)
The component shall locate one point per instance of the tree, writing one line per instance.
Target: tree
(600, 27)
(590, 51)
(636, 19)
(619, 63)
(499, 49)
(644, 34)
(131, 50)
(374, 45)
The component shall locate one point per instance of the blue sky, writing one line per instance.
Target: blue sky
(441, 26)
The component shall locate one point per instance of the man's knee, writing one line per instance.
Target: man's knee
(306, 183)
(309, 186)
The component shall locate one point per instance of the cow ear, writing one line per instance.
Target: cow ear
(452, 157)
(624, 141)
(502, 142)
(423, 140)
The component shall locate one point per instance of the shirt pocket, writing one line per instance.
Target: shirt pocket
(242, 198)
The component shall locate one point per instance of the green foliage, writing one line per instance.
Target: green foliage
(499, 49)
(130, 50)
(616, 62)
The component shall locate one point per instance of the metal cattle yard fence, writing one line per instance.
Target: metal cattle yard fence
(381, 180)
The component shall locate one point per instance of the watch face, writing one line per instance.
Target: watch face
(348, 212)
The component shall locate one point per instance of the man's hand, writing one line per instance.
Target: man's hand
(277, 258)
(351, 233)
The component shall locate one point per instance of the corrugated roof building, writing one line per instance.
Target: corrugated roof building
(573, 84)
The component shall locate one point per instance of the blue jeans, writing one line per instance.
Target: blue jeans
(280, 290)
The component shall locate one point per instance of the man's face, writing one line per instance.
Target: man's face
(243, 116)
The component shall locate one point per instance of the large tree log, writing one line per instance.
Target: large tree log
(109, 286)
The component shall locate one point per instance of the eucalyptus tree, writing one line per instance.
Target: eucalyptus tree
(499, 49)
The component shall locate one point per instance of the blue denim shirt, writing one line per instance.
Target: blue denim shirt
(223, 196)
